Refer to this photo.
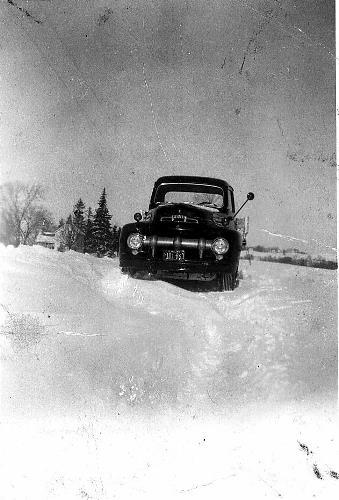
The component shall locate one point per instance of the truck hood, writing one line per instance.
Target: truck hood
(183, 217)
(183, 211)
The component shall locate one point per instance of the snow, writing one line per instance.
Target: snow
(310, 255)
(119, 388)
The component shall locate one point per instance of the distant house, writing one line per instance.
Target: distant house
(46, 239)
(50, 239)
(293, 250)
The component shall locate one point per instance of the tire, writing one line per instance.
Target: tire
(227, 282)
(126, 270)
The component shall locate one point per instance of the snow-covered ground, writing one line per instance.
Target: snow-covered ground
(328, 256)
(118, 388)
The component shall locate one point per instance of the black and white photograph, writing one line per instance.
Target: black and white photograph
(168, 250)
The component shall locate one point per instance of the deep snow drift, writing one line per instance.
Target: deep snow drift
(134, 389)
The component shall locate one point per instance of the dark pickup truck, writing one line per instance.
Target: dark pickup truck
(189, 232)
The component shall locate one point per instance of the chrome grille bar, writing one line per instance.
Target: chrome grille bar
(179, 218)
(177, 242)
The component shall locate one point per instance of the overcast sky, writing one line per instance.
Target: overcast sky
(115, 93)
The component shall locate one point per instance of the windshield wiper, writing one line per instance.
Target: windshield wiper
(208, 204)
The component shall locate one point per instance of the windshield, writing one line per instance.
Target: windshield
(213, 200)
(197, 194)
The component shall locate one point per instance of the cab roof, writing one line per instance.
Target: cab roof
(178, 179)
(191, 179)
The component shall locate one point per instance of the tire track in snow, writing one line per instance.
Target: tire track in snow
(240, 344)
(254, 351)
(201, 327)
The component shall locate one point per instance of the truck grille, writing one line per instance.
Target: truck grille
(194, 247)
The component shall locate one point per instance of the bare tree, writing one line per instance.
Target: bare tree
(21, 214)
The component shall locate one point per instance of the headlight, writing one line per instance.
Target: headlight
(134, 241)
(220, 246)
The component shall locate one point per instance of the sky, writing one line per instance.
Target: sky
(115, 93)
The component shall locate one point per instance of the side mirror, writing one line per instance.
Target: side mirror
(250, 196)
(137, 216)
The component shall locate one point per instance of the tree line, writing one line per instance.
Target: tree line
(90, 232)
(23, 217)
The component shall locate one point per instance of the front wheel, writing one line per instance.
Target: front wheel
(227, 281)
(127, 270)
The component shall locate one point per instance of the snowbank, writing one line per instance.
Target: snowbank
(139, 389)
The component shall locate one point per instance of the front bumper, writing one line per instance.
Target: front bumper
(157, 266)
(199, 259)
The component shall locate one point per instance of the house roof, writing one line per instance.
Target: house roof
(45, 238)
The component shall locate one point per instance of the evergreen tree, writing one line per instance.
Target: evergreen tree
(89, 243)
(78, 215)
(77, 226)
(74, 229)
(61, 223)
(69, 235)
(101, 230)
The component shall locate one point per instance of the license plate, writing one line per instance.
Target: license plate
(174, 254)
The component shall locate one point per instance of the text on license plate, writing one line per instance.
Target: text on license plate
(174, 254)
